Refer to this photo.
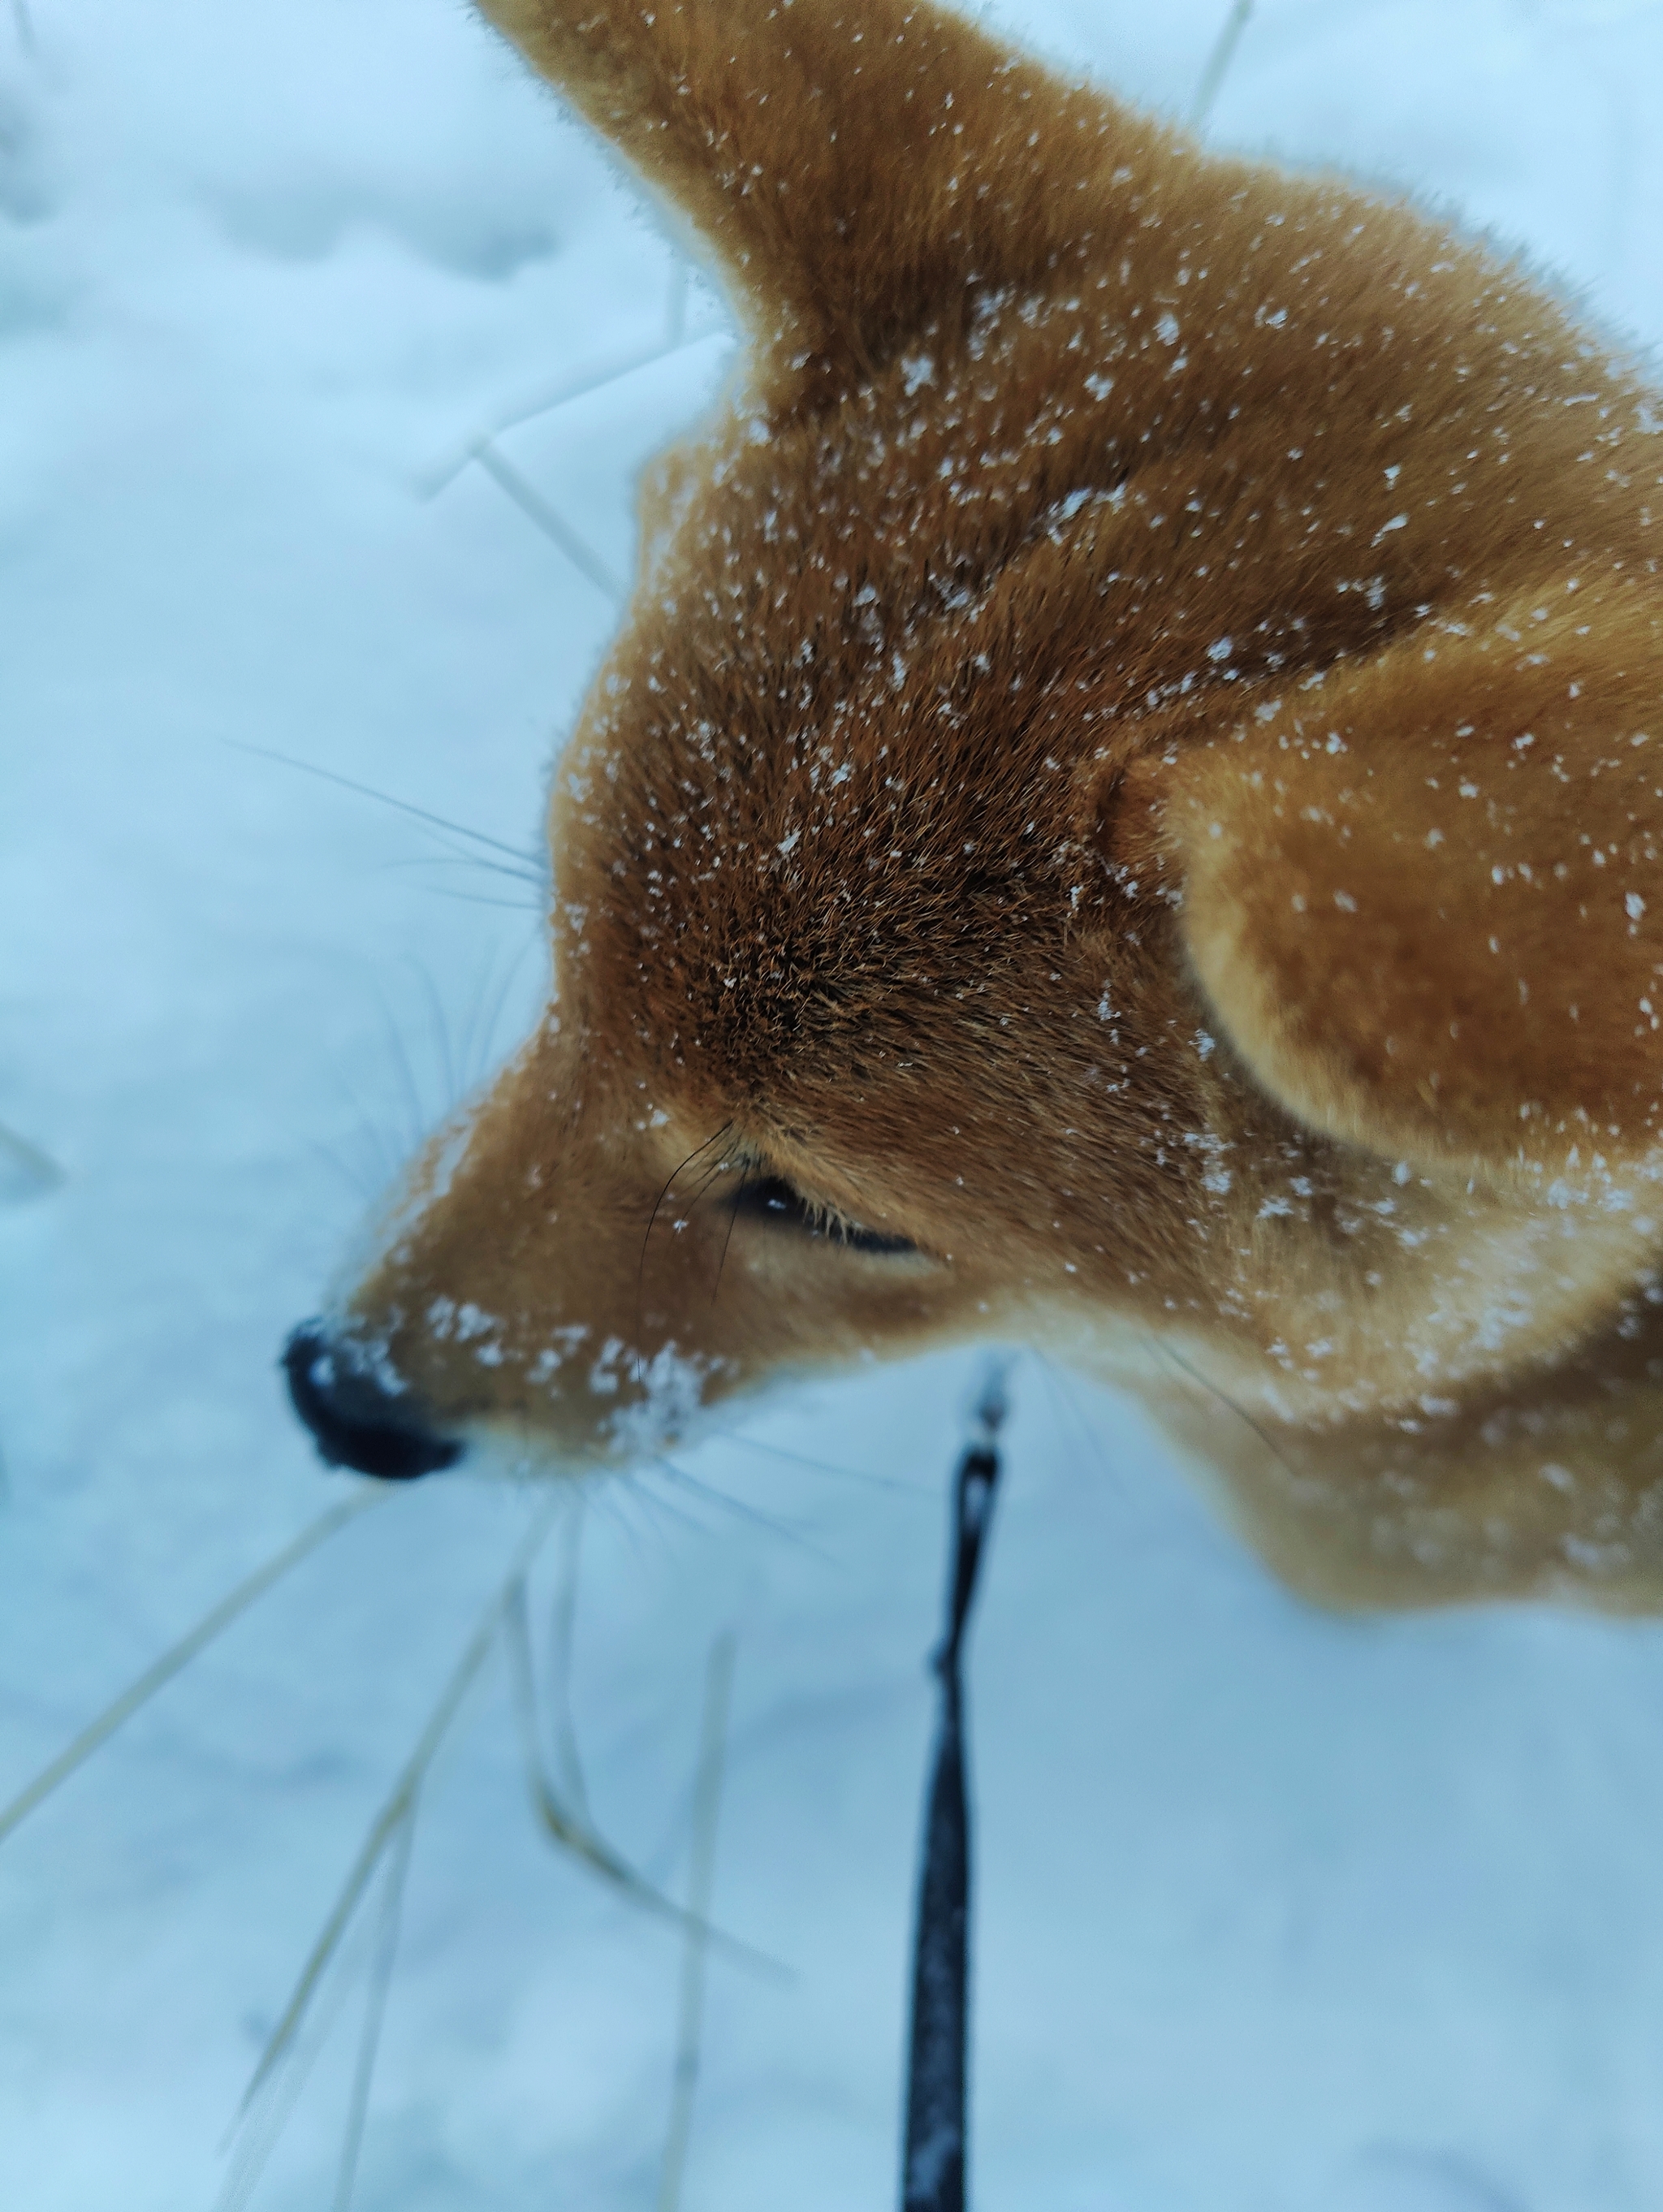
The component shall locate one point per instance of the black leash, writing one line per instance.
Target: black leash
(932, 2171)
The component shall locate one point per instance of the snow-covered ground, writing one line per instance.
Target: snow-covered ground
(1276, 1913)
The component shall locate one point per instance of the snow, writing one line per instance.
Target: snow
(1274, 1912)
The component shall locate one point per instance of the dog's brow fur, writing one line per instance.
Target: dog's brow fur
(1129, 767)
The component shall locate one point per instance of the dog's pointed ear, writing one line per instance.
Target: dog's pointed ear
(1422, 896)
(851, 164)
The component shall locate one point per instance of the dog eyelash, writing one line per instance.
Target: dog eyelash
(771, 1199)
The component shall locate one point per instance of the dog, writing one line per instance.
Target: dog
(1121, 817)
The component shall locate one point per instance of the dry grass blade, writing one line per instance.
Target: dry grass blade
(256, 2134)
(531, 503)
(573, 1832)
(1219, 60)
(399, 1800)
(577, 386)
(707, 1796)
(375, 2008)
(179, 1656)
(558, 1822)
(25, 1170)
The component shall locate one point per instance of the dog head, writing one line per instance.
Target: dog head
(1118, 812)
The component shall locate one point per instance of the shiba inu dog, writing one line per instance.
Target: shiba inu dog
(1122, 818)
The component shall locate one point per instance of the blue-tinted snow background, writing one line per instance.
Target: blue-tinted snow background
(1275, 1914)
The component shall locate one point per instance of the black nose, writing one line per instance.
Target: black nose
(356, 1419)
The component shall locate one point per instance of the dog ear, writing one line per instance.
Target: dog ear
(851, 164)
(1421, 893)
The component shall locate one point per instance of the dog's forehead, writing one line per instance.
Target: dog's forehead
(798, 844)
(827, 787)
(780, 850)
(821, 662)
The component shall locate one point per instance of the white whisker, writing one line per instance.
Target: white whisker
(420, 1119)
(564, 1632)
(825, 1467)
(752, 1513)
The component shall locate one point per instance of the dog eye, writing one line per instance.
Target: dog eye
(772, 1199)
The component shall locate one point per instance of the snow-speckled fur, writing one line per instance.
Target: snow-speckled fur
(1130, 767)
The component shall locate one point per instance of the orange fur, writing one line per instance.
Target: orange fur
(1129, 768)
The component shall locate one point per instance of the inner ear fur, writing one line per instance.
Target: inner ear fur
(851, 164)
(1419, 892)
